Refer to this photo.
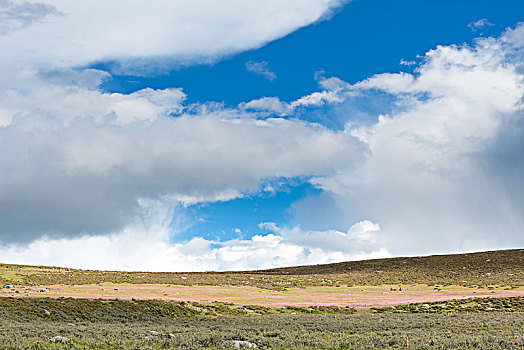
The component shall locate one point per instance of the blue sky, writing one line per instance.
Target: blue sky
(357, 42)
(209, 135)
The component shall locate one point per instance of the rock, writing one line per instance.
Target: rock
(158, 334)
(59, 339)
(45, 290)
(243, 343)
(116, 289)
(71, 324)
(47, 313)
(8, 286)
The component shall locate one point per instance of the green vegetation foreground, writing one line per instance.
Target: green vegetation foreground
(153, 324)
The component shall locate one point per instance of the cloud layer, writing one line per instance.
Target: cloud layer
(83, 171)
(83, 165)
(123, 31)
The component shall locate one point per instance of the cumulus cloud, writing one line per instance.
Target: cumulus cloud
(145, 245)
(123, 31)
(442, 170)
(271, 105)
(261, 68)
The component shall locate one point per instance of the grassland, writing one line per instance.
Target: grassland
(97, 324)
(483, 270)
(444, 304)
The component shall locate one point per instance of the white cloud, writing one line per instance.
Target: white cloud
(16, 15)
(145, 246)
(261, 68)
(269, 226)
(479, 24)
(272, 105)
(404, 62)
(334, 91)
(442, 171)
(130, 31)
(84, 163)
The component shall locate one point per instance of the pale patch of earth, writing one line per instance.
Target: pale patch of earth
(361, 297)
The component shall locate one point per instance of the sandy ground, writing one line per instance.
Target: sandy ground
(358, 297)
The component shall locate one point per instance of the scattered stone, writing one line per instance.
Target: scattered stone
(17, 291)
(160, 335)
(8, 286)
(45, 290)
(59, 339)
(425, 305)
(117, 289)
(47, 313)
(184, 278)
(71, 324)
(243, 343)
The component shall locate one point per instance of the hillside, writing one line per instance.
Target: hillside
(485, 269)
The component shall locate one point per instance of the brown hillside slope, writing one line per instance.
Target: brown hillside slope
(486, 269)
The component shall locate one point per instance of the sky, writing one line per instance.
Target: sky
(203, 135)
